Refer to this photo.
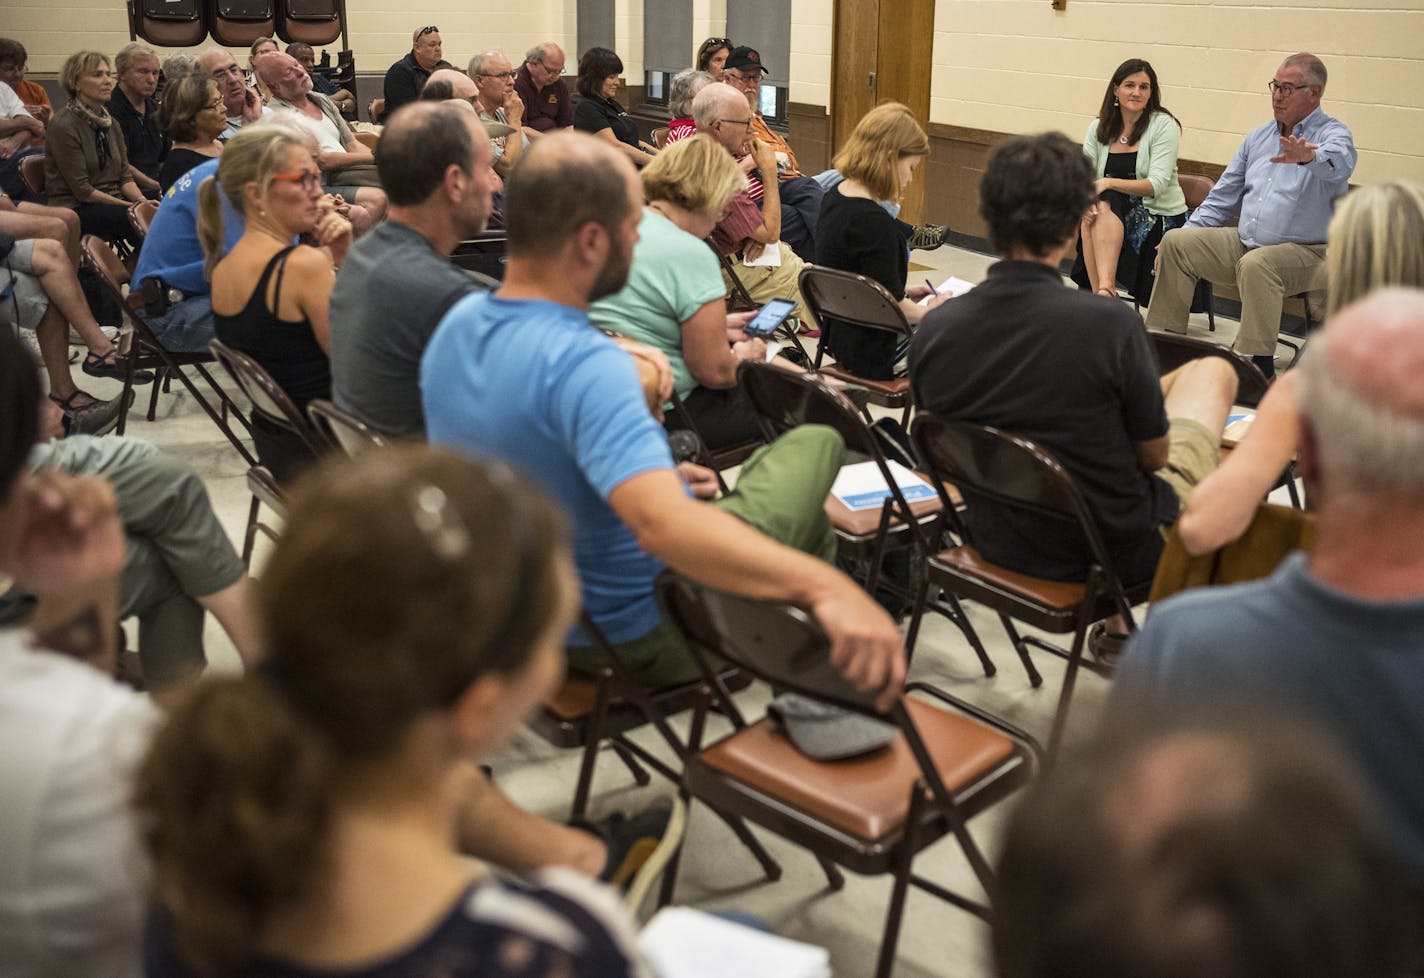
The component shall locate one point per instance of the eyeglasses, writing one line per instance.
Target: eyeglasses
(219, 104)
(427, 30)
(308, 180)
(498, 74)
(713, 43)
(744, 123)
(1285, 88)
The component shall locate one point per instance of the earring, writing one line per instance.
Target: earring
(1114, 101)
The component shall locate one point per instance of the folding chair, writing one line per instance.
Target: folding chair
(483, 255)
(588, 711)
(785, 400)
(993, 466)
(1195, 189)
(717, 459)
(660, 135)
(32, 172)
(948, 762)
(343, 429)
(147, 352)
(851, 301)
(272, 404)
(141, 216)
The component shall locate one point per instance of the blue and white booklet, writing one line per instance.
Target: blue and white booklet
(861, 486)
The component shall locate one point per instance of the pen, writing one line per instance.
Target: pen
(932, 289)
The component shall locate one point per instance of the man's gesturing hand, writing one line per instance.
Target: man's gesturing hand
(1295, 150)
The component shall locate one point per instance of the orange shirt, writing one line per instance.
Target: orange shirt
(764, 132)
(32, 93)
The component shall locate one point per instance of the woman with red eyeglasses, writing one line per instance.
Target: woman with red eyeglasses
(270, 295)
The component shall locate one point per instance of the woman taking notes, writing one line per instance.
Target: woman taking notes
(1133, 146)
(857, 234)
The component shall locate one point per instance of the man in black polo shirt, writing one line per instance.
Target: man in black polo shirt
(1075, 372)
(406, 77)
(134, 108)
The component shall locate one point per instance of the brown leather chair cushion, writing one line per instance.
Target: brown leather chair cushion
(865, 797)
(574, 699)
(899, 387)
(1054, 594)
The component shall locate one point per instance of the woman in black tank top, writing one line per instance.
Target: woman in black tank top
(270, 296)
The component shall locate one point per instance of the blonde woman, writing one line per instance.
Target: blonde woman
(270, 297)
(675, 300)
(1376, 239)
(86, 159)
(857, 234)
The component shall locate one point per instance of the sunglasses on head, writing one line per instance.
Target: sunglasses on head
(427, 30)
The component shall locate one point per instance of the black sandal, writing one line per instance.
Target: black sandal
(108, 366)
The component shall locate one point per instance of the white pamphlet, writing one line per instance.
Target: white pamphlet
(770, 257)
(680, 942)
(950, 286)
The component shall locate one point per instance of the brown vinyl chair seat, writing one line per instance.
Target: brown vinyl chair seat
(1065, 595)
(897, 388)
(865, 522)
(866, 798)
(32, 173)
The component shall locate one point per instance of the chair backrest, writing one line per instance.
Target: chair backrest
(850, 298)
(268, 399)
(1195, 188)
(141, 216)
(342, 429)
(784, 399)
(660, 135)
(32, 172)
(1008, 470)
(738, 299)
(484, 254)
(777, 643)
(100, 258)
(375, 110)
(1175, 349)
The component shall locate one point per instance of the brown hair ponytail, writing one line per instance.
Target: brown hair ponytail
(235, 801)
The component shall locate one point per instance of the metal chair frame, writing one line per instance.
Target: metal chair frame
(1016, 472)
(851, 300)
(271, 403)
(785, 647)
(147, 351)
(785, 400)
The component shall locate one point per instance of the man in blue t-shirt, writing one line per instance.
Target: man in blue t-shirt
(522, 375)
(1332, 638)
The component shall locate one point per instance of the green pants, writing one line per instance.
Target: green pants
(781, 492)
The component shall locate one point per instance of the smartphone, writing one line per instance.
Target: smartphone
(768, 317)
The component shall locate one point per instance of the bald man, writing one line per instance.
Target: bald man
(348, 166)
(1199, 852)
(520, 374)
(1334, 636)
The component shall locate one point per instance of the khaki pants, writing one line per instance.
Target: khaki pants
(1263, 277)
(764, 284)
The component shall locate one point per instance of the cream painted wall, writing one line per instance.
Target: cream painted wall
(380, 31)
(811, 51)
(1020, 66)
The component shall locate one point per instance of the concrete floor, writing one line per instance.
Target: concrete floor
(716, 872)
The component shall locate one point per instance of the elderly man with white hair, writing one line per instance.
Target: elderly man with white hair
(347, 165)
(1333, 637)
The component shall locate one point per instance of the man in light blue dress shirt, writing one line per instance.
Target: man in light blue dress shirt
(1282, 183)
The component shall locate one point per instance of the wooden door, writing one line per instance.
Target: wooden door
(882, 52)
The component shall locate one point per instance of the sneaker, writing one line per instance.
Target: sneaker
(112, 332)
(94, 417)
(927, 237)
(640, 845)
(109, 366)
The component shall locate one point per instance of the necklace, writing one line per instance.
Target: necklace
(1122, 139)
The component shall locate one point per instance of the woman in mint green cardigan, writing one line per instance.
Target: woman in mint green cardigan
(1133, 146)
